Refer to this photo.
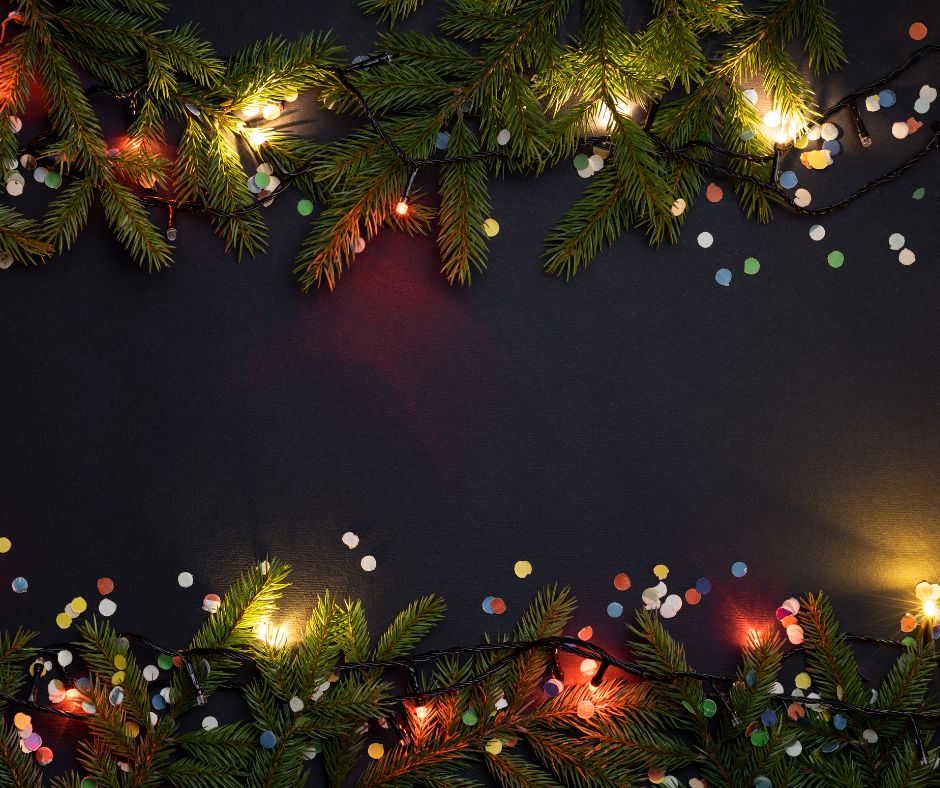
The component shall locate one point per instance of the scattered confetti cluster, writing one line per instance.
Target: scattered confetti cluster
(786, 615)
(367, 562)
(588, 165)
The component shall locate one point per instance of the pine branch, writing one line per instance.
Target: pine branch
(17, 768)
(410, 627)
(828, 656)
(132, 227)
(511, 771)
(21, 238)
(390, 10)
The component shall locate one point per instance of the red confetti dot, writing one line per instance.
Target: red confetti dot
(908, 623)
(795, 711)
(586, 633)
(43, 756)
(693, 597)
(622, 581)
(105, 586)
(918, 31)
(714, 193)
(498, 606)
(913, 125)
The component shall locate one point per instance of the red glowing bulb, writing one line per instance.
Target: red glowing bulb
(402, 208)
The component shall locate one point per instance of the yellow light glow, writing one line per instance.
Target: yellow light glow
(275, 636)
(930, 608)
(257, 137)
(781, 128)
(589, 667)
(249, 112)
(602, 122)
(421, 713)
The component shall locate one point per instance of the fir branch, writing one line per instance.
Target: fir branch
(21, 238)
(17, 768)
(828, 656)
(132, 227)
(390, 10)
(410, 627)
(511, 771)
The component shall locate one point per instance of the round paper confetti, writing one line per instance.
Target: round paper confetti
(596, 162)
(869, 736)
(581, 162)
(368, 563)
(759, 738)
(795, 634)
(522, 569)
(709, 707)
(116, 696)
(491, 228)
(296, 704)
(908, 623)
(678, 207)
(703, 585)
(350, 540)
(906, 257)
(622, 581)
(53, 180)
(494, 746)
(5, 544)
(585, 709)
(19, 585)
(802, 198)
(872, 104)
(723, 277)
(503, 137)
(803, 680)
(43, 756)
(267, 739)
(927, 93)
(900, 130)
(762, 782)
(839, 722)
(917, 31)
(693, 597)
(921, 106)
(705, 239)
(829, 131)
(151, 673)
(835, 259)
(185, 579)
(739, 569)
(488, 604)
(587, 172)
(794, 749)
(788, 179)
(63, 620)
(914, 125)
(305, 207)
(360, 244)
(833, 146)
(887, 98)
(498, 606)
(615, 610)
(442, 141)
(817, 232)
(751, 266)
(211, 603)
(165, 661)
(262, 179)
(919, 193)
(107, 607)
(714, 193)
(105, 586)
(470, 717)
(661, 571)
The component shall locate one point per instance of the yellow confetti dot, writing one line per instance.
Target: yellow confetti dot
(79, 605)
(118, 678)
(132, 729)
(120, 661)
(522, 569)
(800, 142)
(21, 720)
(5, 544)
(63, 620)
(818, 159)
(803, 680)
(491, 228)
(494, 746)
(376, 750)
(661, 571)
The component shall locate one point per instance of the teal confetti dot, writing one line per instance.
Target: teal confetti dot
(262, 179)
(739, 569)
(830, 746)
(19, 584)
(53, 179)
(835, 259)
(723, 277)
(615, 610)
(581, 161)
(751, 266)
(919, 193)
(763, 782)
(305, 207)
(488, 604)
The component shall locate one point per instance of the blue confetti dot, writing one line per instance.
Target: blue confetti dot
(488, 604)
(830, 746)
(703, 585)
(268, 739)
(936, 633)
(739, 569)
(615, 610)
(551, 688)
(159, 702)
(788, 179)
(443, 139)
(839, 722)
(769, 717)
(833, 146)
(751, 678)
(746, 135)
(19, 585)
(723, 277)
(762, 782)
(887, 98)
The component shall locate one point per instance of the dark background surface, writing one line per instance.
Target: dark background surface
(211, 415)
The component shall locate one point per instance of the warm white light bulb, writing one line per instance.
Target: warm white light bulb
(257, 137)
(771, 119)
(930, 608)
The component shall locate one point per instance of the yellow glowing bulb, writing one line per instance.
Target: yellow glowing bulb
(589, 667)
(930, 608)
(421, 713)
(257, 137)
(275, 636)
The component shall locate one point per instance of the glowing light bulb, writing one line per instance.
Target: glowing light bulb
(275, 636)
(771, 119)
(249, 112)
(603, 117)
(588, 667)
(257, 137)
(421, 712)
(930, 608)
(402, 208)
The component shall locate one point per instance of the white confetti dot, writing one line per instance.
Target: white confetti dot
(208, 723)
(503, 137)
(817, 232)
(368, 563)
(873, 103)
(802, 198)
(151, 673)
(705, 240)
(185, 579)
(895, 241)
(829, 131)
(928, 93)
(906, 257)
(596, 162)
(64, 658)
(587, 172)
(106, 607)
(350, 539)
(900, 130)
(921, 106)
(360, 244)
(296, 704)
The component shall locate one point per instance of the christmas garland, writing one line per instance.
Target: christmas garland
(519, 709)
(498, 91)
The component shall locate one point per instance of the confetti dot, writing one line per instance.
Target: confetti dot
(350, 540)
(165, 661)
(714, 193)
(470, 717)
(53, 180)
(360, 244)
(927, 93)
(788, 179)
(585, 709)
(739, 569)
(116, 696)
(494, 747)
(895, 241)
(869, 736)
(759, 738)
(839, 722)
(833, 146)
(498, 606)
(914, 125)
(802, 198)
(817, 232)
(368, 563)
(709, 707)
(917, 31)
(835, 259)
(586, 633)
(442, 141)
(762, 782)
(705, 239)
(703, 585)
(596, 162)
(794, 749)
(105, 586)
(63, 620)
(19, 585)
(872, 103)
(922, 106)
(522, 569)
(795, 634)
(5, 544)
(503, 137)
(678, 207)
(43, 756)
(887, 98)
(491, 228)
(553, 687)
(587, 172)
(211, 603)
(661, 571)
(919, 193)
(751, 266)
(296, 704)
(829, 131)
(693, 597)
(305, 207)
(267, 739)
(723, 277)
(900, 130)
(79, 605)
(185, 579)
(751, 95)
(262, 179)
(906, 257)
(120, 661)
(803, 680)
(622, 581)
(581, 162)
(615, 610)
(908, 623)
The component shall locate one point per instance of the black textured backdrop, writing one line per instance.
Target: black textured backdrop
(205, 417)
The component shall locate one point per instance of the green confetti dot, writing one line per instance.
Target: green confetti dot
(919, 193)
(305, 207)
(908, 641)
(835, 259)
(581, 161)
(165, 661)
(470, 717)
(759, 738)
(53, 179)
(262, 179)
(709, 707)
(751, 265)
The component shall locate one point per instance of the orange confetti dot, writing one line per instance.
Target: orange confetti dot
(693, 597)
(908, 623)
(917, 31)
(498, 606)
(105, 586)
(714, 193)
(586, 633)
(585, 709)
(795, 711)
(622, 581)
(656, 776)
(788, 621)
(913, 125)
